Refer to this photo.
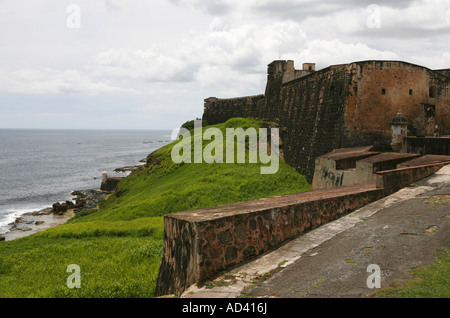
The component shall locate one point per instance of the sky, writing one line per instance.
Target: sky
(139, 64)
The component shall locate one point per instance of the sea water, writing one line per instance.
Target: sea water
(40, 167)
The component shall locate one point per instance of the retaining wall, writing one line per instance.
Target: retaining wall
(393, 180)
(199, 244)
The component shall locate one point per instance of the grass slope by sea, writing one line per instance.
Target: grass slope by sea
(118, 247)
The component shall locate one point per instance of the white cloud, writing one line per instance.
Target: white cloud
(50, 81)
(232, 56)
(329, 52)
(177, 52)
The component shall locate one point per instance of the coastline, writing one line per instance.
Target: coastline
(37, 221)
(34, 222)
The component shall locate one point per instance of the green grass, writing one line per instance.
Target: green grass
(118, 247)
(431, 281)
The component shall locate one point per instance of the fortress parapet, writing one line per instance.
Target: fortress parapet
(343, 106)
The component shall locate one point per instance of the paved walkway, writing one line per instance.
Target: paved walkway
(397, 233)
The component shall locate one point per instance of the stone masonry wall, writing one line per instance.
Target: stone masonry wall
(220, 110)
(346, 105)
(312, 116)
(199, 244)
(379, 89)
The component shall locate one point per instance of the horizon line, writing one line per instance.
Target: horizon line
(116, 129)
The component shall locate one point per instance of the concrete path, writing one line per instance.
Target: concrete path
(397, 233)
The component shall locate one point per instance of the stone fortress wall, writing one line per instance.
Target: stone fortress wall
(340, 106)
(335, 125)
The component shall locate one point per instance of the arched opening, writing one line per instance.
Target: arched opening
(432, 92)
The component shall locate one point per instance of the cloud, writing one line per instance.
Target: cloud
(416, 18)
(170, 54)
(112, 6)
(329, 52)
(230, 59)
(50, 81)
(421, 19)
(284, 9)
(213, 7)
(216, 57)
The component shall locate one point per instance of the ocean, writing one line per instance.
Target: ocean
(40, 167)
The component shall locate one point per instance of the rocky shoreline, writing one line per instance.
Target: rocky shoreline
(60, 212)
(85, 200)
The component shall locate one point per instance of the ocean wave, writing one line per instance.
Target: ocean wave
(8, 216)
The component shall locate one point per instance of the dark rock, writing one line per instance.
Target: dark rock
(59, 208)
(230, 254)
(250, 251)
(213, 253)
(128, 168)
(79, 203)
(2, 238)
(39, 222)
(88, 199)
(225, 237)
(45, 211)
(70, 204)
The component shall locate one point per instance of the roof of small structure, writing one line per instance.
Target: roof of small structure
(399, 119)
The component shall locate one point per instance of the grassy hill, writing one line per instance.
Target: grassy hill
(118, 247)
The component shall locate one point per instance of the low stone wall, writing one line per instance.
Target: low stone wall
(366, 169)
(394, 180)
(199, 244)
(110, 184)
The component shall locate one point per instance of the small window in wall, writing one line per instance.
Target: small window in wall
(432, 92)
(383, 91)
(410, 92)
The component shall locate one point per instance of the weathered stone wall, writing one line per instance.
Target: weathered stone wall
(346, 105)
(199, 244)
(379, 89)
(217, 110)
(393, 180)
(311, 113)
(110, 184)
(220, 110)
(179, 264)
(445, 72)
